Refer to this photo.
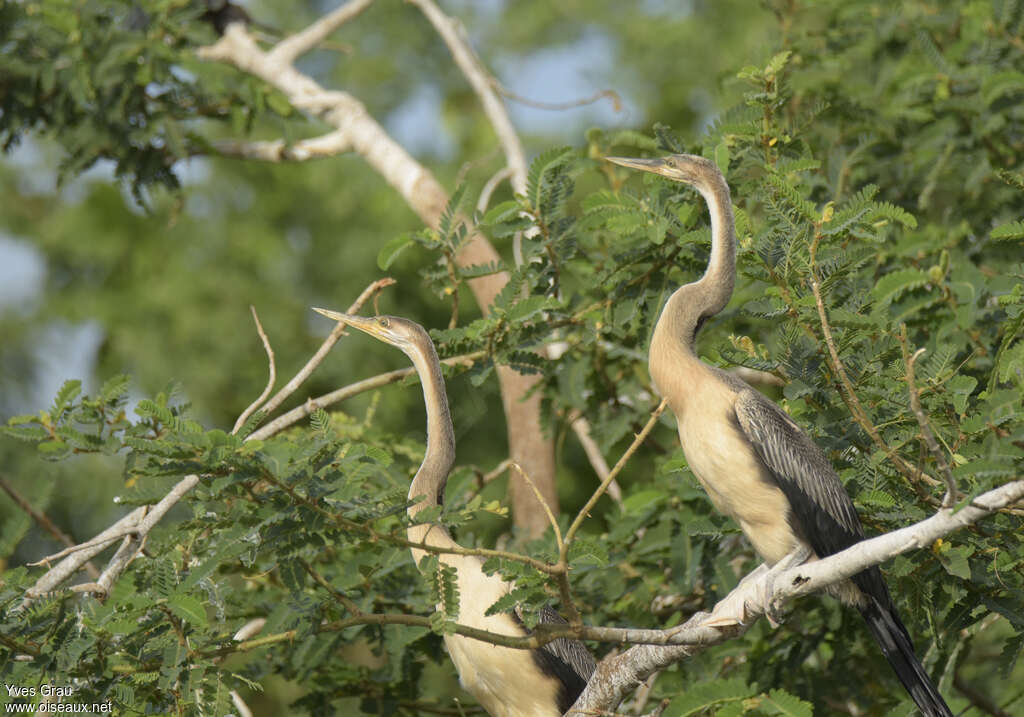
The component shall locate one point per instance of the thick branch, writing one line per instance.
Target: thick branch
(482, 83)
(424, 195)
(619, 674)
(278, 150)
(70, 565)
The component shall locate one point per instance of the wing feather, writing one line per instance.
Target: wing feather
(821, 509)
(568, 661)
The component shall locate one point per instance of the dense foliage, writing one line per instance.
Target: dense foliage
(876, 159)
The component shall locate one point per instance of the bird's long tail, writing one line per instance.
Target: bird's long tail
(895, 642)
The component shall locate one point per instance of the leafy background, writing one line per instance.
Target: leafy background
(888, 138)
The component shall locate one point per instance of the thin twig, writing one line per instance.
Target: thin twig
(544, 504)
(585, 510)
(345, 601)
(480, 80)
(572, 613)
(560, 106)
(340, 394)
(853, 402)
(97, 542)
(302, 42)
(496, 471)
(922, 420)
(44, 522)
(270, 381)
(485, 194)
(581, 427)
(240, 705)
(978, 699)
(321, 353)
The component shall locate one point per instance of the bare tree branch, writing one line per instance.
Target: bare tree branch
(424, 195)
(581, 427)
(44, 522)
(325, 348)
(922, 420)
(270, 381)
(619, 674)
(302, 42)
(70, 565)
(340, 394)
(479, 78)
(278, 150)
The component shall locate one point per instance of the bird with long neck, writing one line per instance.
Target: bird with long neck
(755, 463)
(507, 682)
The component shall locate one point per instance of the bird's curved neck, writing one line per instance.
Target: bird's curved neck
(432, 476)
(672, 353)
(716, 284)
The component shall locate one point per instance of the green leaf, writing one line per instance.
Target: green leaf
(780, 702)
(279, 104)
(67, 393)
(1012, 230)
(954, 560)
(503, 212)
(189, 609)
(530, 307)
(390, 251)
(706, 695)
(891, 286)
(961, 387)
(320, 421)
(722, 157)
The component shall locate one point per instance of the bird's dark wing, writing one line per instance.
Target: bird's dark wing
(825, 517)
(821, 511)
(569, 661)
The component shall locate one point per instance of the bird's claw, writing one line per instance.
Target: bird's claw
(772, 606)
(734, 608)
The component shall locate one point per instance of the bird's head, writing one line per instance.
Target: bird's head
(686, 168)
(401, 333)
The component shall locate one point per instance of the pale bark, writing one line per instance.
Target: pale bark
(621, 673)
(357, 131)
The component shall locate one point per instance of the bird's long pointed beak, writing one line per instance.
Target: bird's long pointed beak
(357, 322)
(656, 165)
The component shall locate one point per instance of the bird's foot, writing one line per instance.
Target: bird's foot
(772, 607)
(734, 607)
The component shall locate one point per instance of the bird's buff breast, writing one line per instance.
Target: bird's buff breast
(503, 680)
(725, 464)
